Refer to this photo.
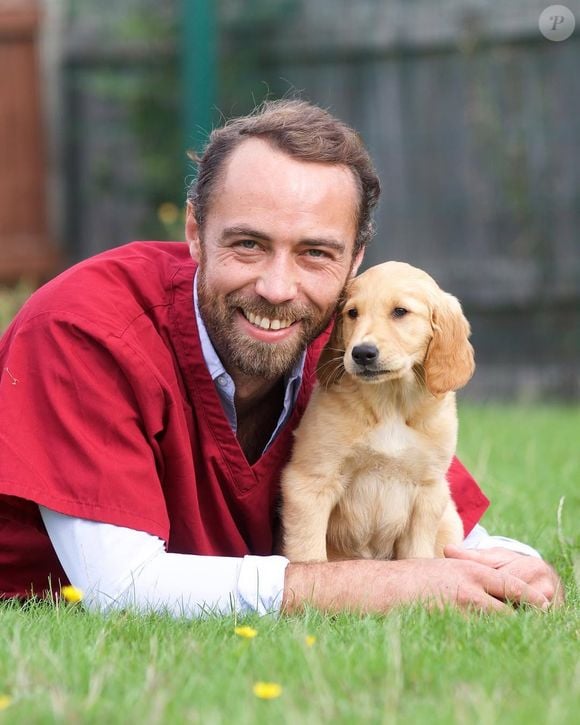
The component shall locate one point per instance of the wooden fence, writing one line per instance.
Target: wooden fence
(25, 250)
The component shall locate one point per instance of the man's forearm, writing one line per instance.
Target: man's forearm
(364, 585)
(378, 586)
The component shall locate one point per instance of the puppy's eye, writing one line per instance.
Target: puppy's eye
(353, 313)
(399, 312)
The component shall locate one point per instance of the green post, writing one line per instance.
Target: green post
(199, 57)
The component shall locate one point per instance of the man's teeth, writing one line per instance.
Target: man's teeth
(265, 323)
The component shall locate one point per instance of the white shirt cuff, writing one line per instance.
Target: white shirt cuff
(261, 584)
(478, 538)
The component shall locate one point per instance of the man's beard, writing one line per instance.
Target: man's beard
(268, 360)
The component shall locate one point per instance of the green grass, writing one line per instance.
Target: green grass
(528, 462)
(64, 665)
(408, 667)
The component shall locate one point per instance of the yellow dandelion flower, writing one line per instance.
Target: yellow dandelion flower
(5, 701)
(310, 640)
(267, 690)
(71, 594)
(168, 213)
(246, 632)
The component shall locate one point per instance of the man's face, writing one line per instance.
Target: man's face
(275, 254)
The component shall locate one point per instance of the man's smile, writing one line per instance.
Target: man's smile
(264, 329)
(264, 322)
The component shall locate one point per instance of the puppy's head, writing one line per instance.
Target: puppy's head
(395, 323)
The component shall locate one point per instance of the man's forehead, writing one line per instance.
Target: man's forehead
(278, 196)
(262, 158)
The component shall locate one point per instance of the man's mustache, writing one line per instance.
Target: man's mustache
(258, 306)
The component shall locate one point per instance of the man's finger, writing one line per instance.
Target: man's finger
(509, 588)
(494, 605)
(489, 557)
(485, 603)
(468, 599)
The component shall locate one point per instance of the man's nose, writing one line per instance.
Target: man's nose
(277, 282)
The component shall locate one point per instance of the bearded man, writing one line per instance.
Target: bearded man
(149, 395)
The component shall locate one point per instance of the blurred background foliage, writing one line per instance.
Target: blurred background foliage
(130, 56)
(126, 56)
(11, 299)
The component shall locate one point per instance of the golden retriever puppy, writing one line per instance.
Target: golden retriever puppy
(367, 473)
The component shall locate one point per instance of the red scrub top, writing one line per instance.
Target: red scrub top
(108, 412)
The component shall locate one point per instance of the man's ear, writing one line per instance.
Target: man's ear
(357, 262)
(192, 233)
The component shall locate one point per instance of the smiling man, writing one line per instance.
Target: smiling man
(149, 396)
(275, 253)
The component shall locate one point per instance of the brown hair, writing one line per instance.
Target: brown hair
(301, 130)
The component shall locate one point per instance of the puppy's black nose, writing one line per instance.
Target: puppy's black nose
(365, 354)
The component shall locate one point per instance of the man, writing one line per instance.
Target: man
(148, 403)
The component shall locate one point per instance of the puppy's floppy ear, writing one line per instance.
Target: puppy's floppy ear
(331, 357)
(449, 362)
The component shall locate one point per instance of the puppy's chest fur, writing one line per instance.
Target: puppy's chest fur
(389, 450)
(380, 477)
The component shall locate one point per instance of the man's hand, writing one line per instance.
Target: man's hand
(378, 586)
(534, 572)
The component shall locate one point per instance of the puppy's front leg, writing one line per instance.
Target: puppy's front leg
(307, 501)
(450, 529)
(418, 541)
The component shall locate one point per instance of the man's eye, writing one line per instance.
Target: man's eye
(247, 244)
(399, 312)
(316, 253)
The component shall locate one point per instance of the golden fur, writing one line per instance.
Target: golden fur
(367, 474)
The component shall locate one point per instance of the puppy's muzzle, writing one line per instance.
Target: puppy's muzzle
(365, 355)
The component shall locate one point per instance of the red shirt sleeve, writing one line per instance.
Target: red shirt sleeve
(80, 415)
(469, 499)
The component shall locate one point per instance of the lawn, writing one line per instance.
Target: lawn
(64, 665)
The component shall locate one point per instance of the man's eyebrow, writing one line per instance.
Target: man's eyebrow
(243, 230)
(335, 244)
